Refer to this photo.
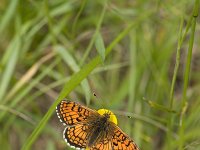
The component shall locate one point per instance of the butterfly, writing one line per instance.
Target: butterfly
(87, 129)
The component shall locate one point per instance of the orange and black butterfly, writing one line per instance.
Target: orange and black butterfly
(87, 129)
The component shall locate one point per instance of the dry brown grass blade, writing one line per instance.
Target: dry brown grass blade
(28, 75)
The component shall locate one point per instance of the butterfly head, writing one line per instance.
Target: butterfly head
(108, 114)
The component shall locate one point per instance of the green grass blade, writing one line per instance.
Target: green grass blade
(67, 57)
(9, 67)
(10, 12)
(99, 44)
(95, 34)
(186, 76)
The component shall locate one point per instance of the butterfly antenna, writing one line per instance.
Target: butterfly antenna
(99, 100)
(124, 114)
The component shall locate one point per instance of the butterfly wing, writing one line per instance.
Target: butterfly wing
(104, 144)
(71, 113)
(115, 139)
(76, 136)
(78, 119)
(121, 141)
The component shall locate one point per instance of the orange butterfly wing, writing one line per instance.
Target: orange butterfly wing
(76, 136)
(75, 117)
(116, 139)
(121, 141)
(71, 113)
(105, 144)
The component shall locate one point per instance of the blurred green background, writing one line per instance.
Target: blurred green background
(128, 53)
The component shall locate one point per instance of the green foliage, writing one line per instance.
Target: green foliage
(140, 57)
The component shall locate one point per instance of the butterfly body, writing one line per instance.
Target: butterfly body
(87, 129)
(100, 127)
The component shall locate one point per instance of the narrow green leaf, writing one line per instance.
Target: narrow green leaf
(99, 44)
(68, 58)
(159, 107)
(10, 12)
(9, 67)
